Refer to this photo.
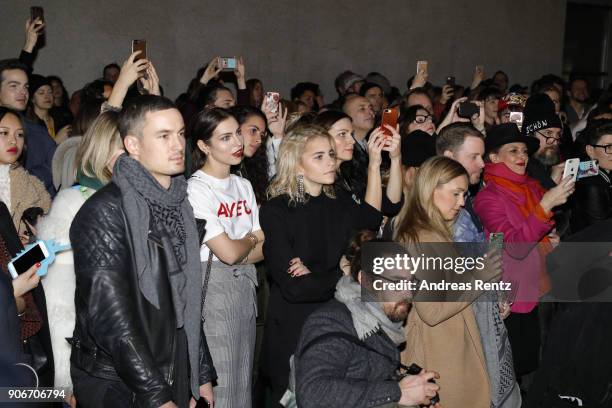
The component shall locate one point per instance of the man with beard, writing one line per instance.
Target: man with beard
(541, 121)
(348, 351)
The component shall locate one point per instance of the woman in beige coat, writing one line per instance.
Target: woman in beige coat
(442, 336)
(19, 190)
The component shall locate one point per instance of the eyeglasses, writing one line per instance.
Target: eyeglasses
(420, 119)
(607, 148)
(550, 140)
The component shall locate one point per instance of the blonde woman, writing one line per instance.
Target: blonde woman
(307, 225)
(97, 153)
(442, 336)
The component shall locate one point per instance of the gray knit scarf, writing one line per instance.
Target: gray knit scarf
(143, 197)
(368, 317)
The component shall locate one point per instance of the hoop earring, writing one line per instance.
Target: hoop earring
(301, 196)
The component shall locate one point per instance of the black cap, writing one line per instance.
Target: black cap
(417, 146)
(539, 113)
(509, 133)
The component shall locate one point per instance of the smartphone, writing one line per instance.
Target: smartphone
(33, 254)
(496, 240)
(389, 117)
(272, 101)
(588, 169)
(467, 110)
(450, 81)
(37, 12)
(227, 63)
(516, 117)
(139, 45)
(422, 66)
(571, 168)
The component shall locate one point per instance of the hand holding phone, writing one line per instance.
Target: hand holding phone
(27, 281)
(32, 255)
(467, 110)
(227, 62)
(271, 102)
(571, 168)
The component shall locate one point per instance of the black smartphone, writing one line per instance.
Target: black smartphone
(450, 81)
(139, 45)
(467, 110)
(37, 12)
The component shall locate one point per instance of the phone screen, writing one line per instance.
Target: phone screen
(139, 45)
(27, 260)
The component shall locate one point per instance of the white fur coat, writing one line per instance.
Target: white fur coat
(59, 283)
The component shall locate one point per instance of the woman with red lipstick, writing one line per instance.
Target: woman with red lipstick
(231, 245)
(254, 165)
(517, 206)
(19, 190)
(308, 225)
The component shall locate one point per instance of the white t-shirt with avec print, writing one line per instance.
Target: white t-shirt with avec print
(228, 205)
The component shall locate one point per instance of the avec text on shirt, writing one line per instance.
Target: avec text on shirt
(235, 209)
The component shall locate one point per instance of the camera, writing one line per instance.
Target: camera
(415, 369)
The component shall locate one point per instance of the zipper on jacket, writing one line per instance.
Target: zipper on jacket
(171, 370)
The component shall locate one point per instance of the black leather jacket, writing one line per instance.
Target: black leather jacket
(592, 201)
(118, 334)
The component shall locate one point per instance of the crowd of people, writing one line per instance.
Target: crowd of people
(217, 240)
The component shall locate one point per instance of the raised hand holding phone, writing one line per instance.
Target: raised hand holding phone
(213, 68)
(389, 118)
(34, 27)
(422, 74)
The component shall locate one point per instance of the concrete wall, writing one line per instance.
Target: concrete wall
(284, 42)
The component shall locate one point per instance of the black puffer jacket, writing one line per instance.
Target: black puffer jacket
(118, 334)
(333, 372)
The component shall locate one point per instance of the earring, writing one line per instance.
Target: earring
(301, 196)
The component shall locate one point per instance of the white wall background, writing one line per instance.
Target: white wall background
(284, 42)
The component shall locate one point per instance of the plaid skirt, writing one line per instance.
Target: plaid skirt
(229, 313)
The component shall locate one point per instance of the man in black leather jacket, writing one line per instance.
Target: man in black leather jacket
(138, 337)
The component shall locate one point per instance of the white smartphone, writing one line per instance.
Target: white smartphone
(272, 101)
(422, 66)
(38, 252)
(571, 168)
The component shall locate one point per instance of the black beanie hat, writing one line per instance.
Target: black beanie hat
(539, 113)
(417, 147)
(36, 81)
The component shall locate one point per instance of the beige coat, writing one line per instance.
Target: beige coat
(444, 337)
(26, 191)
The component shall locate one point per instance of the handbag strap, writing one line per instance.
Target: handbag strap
(207, 275)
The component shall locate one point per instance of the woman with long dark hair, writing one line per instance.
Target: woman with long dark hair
(231, 245)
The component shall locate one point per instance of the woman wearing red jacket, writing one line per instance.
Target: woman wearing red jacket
(517, 206)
